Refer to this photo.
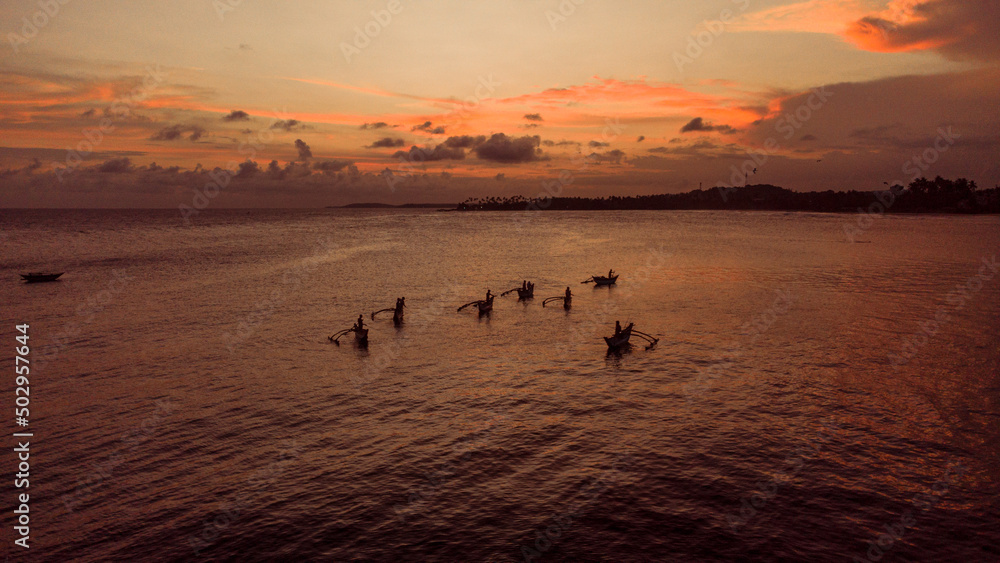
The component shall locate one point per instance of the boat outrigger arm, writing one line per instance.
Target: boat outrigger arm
(335, 337)
(382, 311)
(509, 291)
(649, 338)
(550, 299)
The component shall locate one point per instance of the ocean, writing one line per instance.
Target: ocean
(809, 398)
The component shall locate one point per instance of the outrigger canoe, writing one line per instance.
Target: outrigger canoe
(621, 339)
(604, 280)
(485, 306)
(361, 337)
(35, 277)
(526, 293)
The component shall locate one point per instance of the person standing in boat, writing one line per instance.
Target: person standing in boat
(569, 294)
(489, 296)
(360, 325)
(618, 328)
(611, 273)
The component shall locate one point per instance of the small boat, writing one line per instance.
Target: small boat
(361, 337)
(397, 317)
(620, 340)
(486, 305)
(35, 277)
(526, 293)
(604, 280)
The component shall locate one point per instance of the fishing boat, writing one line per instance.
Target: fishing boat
(35, 277)
(604, 280)
(361, 337)
(526, 291)
(486, 305)
(620, 340)
(397, 311)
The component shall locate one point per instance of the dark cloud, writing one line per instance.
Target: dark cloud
(116, 166)
(500, 177)
(560, 143)
(958, 29)
(332, 165)
(386, 142)
(598, 144)
(245, 47)
(640, 138)
(89, 113)
(174, 132)
(528, 125)
(237, 115)
(808, 138)
(428, 127)
(611, 157)
(305, 153)
(533, 116)
(698, 124)
(376, 125)
(440, 152)
(288, 125)
(248, 169)
(509, 150)
(464, 141)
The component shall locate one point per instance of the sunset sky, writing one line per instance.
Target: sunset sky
(324, 103)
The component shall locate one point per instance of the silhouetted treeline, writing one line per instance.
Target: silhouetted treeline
(921, 196)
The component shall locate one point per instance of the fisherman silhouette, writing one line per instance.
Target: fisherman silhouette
(618, 328)
(569, 294)
(360, 325)
(611, 273)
